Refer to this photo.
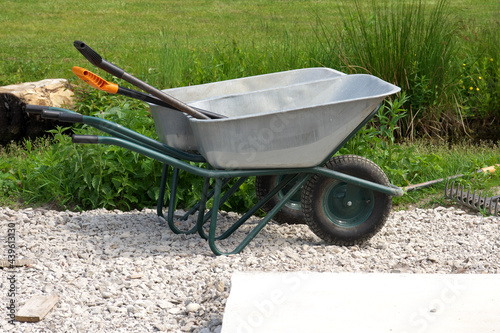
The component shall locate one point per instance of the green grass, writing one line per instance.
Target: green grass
(41, 33)
(67, 176)
(36, 36)
(178, 43)
(461, 159)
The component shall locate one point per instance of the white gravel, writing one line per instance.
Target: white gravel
(127, 272)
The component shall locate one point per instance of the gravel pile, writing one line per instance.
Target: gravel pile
(127, 272)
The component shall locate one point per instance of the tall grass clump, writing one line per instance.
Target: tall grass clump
(409, 43)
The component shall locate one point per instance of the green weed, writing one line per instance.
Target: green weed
(479, 86)
(418, 45)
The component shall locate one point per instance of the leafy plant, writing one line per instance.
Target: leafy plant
(479, 86)
(8, 180)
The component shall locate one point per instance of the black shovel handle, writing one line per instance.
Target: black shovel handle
(98, 61)
(95, 59)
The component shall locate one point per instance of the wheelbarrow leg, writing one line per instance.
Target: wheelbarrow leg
(201, 208)
(172, 205)
(163, 186)
(196, 207)
(172, 201)
(262, 223)
(259, 205)
(222, 200)
(245, 217)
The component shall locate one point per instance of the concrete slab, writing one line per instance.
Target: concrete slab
(344, 302)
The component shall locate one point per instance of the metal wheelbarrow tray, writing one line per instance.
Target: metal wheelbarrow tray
(286, 132)
(295, 126)
(173, 128)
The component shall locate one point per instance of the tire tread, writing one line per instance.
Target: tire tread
(308, 197)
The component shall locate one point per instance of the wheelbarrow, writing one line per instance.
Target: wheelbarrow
(282, 128)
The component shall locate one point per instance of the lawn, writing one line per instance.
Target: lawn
(178, 43)
(36, 36)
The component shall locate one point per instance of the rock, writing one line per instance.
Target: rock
(174, 310)
(135, 276)
(48, 288)
(220, 286)
(49, 92)
(160, 327)
(192, 307)
(164, 304)
(187, 327)
(106, 294)
(214, 322)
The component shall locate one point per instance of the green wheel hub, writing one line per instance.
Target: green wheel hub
(347, 206)
(295, 200)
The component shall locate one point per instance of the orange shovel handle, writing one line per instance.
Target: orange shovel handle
(94, 80)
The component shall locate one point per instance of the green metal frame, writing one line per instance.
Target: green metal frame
(179, 161)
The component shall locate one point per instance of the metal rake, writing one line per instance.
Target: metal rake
(472, 200)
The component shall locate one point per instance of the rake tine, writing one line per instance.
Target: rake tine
(467, 197)
(472, 198)
(487, 204)
(447, 190)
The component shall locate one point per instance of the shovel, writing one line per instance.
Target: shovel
(114, 70)
(97, 82)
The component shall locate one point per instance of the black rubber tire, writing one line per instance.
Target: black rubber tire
(339, 221)
(290, 213)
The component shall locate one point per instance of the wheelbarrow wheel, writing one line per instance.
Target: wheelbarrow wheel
(291, 212)
(345, 214)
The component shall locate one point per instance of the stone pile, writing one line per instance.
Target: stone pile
(119, 271)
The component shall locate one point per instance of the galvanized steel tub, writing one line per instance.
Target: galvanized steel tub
(295, 126)
(173, 127)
